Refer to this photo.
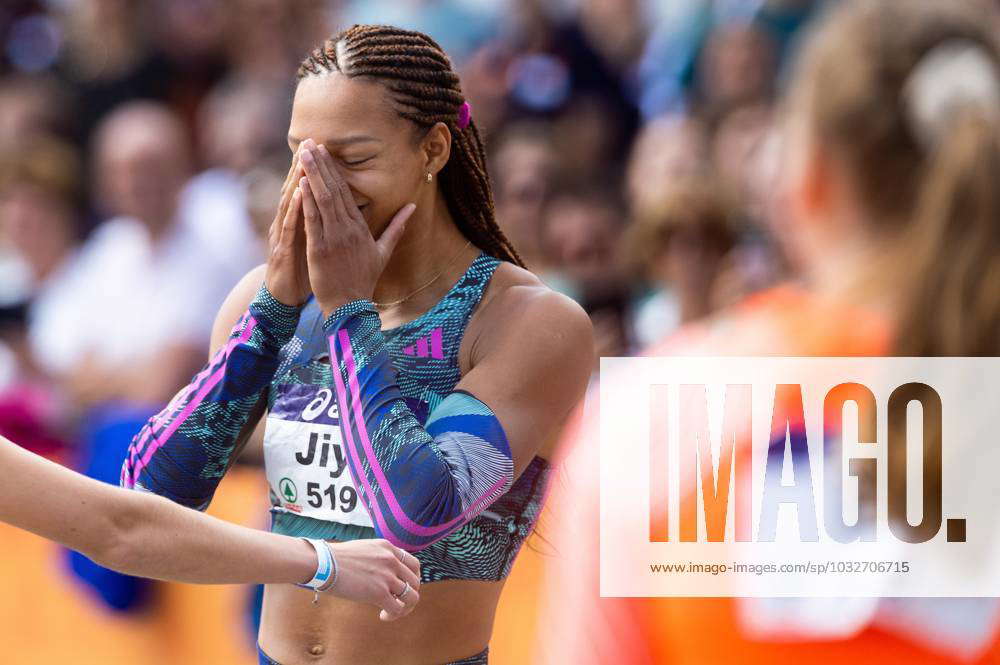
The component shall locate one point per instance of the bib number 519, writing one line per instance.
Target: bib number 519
(348, 497)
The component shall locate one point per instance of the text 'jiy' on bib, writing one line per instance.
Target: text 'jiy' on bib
(306, 460)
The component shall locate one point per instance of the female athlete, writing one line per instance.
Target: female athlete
(412, 375)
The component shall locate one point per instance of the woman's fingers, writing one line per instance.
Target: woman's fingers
(272, 232)
(346, 204)
(409, 599)
(290, 184)
(287, 192)
(336, 208)
(320, 191)
(300, 246)
(392, 609)
(289, 226)
(408, 576)
(333, 195)
(310, 210)
(292, 177)
(329, 202)
(396, 605)
(327, 169)
(409, 560)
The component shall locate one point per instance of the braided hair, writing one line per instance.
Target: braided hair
(426, 90)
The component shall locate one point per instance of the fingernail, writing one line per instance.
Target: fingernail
(307, 156)
(304, 184)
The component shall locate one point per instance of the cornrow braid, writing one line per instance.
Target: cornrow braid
(426, 91)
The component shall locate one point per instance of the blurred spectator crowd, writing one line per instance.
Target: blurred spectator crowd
(633, 149)
(142, 147)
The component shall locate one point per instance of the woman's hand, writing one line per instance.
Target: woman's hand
(287, 271)
(344, 259)
(376, 571)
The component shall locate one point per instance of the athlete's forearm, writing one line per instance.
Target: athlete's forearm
(419, 482)
(183, 451)
(139, 533)
(154, 538)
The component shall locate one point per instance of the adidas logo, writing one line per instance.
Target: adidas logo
(431, 346)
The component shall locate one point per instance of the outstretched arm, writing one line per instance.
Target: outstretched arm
(138, 533)
(148, 536)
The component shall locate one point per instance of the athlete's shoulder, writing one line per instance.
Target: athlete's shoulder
(516, 290)
(518, 305)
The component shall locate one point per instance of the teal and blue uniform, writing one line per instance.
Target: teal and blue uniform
(366, 435)
(424, 355)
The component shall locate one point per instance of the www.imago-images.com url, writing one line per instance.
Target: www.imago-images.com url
(809, 567)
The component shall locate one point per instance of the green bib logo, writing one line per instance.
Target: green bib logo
(287, 489)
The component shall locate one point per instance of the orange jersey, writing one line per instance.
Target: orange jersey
(577, 626)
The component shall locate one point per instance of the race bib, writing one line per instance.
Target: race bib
(306, 460)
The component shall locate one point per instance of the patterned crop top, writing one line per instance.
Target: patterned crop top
(311, 489)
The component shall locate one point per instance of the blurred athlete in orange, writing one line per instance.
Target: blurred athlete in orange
(891, 188)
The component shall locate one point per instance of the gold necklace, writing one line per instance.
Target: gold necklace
(383, 305)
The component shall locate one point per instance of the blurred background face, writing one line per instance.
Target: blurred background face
(142, 163)
(374, 148)
(30, 107)
(689, 262)
(736, 147)
(666, 151)
(240, 127)
(193, 27)
(738, 64)
(523, 167)
(36, 225)
(584, 138)
(582, 239)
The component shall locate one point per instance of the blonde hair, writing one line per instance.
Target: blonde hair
(905, 94)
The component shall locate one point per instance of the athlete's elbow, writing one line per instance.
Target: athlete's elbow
(116, 544)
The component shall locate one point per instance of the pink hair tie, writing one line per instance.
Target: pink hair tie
(464, 115)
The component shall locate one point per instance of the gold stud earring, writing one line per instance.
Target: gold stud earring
(430, 176)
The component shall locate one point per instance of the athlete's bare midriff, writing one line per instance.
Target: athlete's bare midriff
(453, 620)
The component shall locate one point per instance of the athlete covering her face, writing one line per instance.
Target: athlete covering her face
(414, 376)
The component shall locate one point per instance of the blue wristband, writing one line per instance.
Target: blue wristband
(326, 567)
